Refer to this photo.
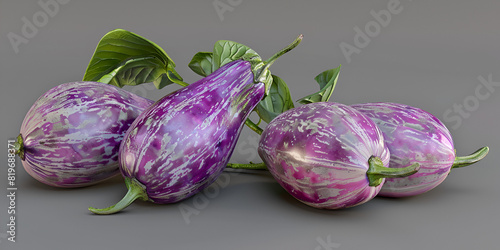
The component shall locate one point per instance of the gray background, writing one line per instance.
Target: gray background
(430, 55)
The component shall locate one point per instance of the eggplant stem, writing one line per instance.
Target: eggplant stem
(253, 126)
(252, 166)
(291, 46)
(260, 120)
(273, 58)
(135, 191)
(183, 84)
(463, 161)
(377, 172)
(19, 146)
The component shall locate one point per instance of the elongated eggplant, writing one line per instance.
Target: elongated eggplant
(71, 135)
(327, 155)
(414, 135)
(182, 143)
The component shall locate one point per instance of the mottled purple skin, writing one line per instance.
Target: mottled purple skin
(72, 133)
(412, 136)
(181, 144)
(319, 153)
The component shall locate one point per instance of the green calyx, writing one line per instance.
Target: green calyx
(377, 172)
(19, 146)
(463, 161)
(135, 191)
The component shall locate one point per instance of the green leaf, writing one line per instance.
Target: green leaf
(201, 63)
(327, 81)
(276, 102)
(227, 51)
(124, 58)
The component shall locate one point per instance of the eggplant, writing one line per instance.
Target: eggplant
(327, 155)
(181, 144)
(71, 135)
(414, 135)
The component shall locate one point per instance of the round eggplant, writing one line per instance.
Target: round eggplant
(71, 135)
(416, 136)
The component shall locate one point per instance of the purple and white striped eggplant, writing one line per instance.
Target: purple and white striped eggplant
(414, 135)
(71, 135)
(181, 144)
(327, 155)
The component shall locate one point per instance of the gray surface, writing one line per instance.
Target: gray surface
(430, 55)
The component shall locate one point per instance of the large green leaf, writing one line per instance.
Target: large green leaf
(276, 102)
(124, 58)
(327, 81)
